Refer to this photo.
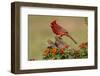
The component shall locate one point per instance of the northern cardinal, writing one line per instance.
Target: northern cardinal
(60, 31)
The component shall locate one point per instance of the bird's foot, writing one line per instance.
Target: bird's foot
(58, 36)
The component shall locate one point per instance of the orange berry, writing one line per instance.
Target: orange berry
(53, 51)
(61, 51)
(46, 52)
(83, 45)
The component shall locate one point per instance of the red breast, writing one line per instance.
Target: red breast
(56, 29)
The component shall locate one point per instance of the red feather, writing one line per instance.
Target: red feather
(60, 31)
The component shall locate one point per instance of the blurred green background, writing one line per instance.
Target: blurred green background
(39, 32)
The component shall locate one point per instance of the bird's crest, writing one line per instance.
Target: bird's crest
(53, 22)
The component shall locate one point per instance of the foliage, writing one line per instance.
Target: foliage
(66, 53)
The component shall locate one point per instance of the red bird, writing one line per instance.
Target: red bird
(60, 31)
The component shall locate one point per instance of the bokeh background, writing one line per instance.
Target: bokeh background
(39, 32)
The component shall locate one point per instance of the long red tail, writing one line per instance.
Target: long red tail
(71, 38)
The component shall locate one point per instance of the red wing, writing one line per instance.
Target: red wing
(61, 28)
